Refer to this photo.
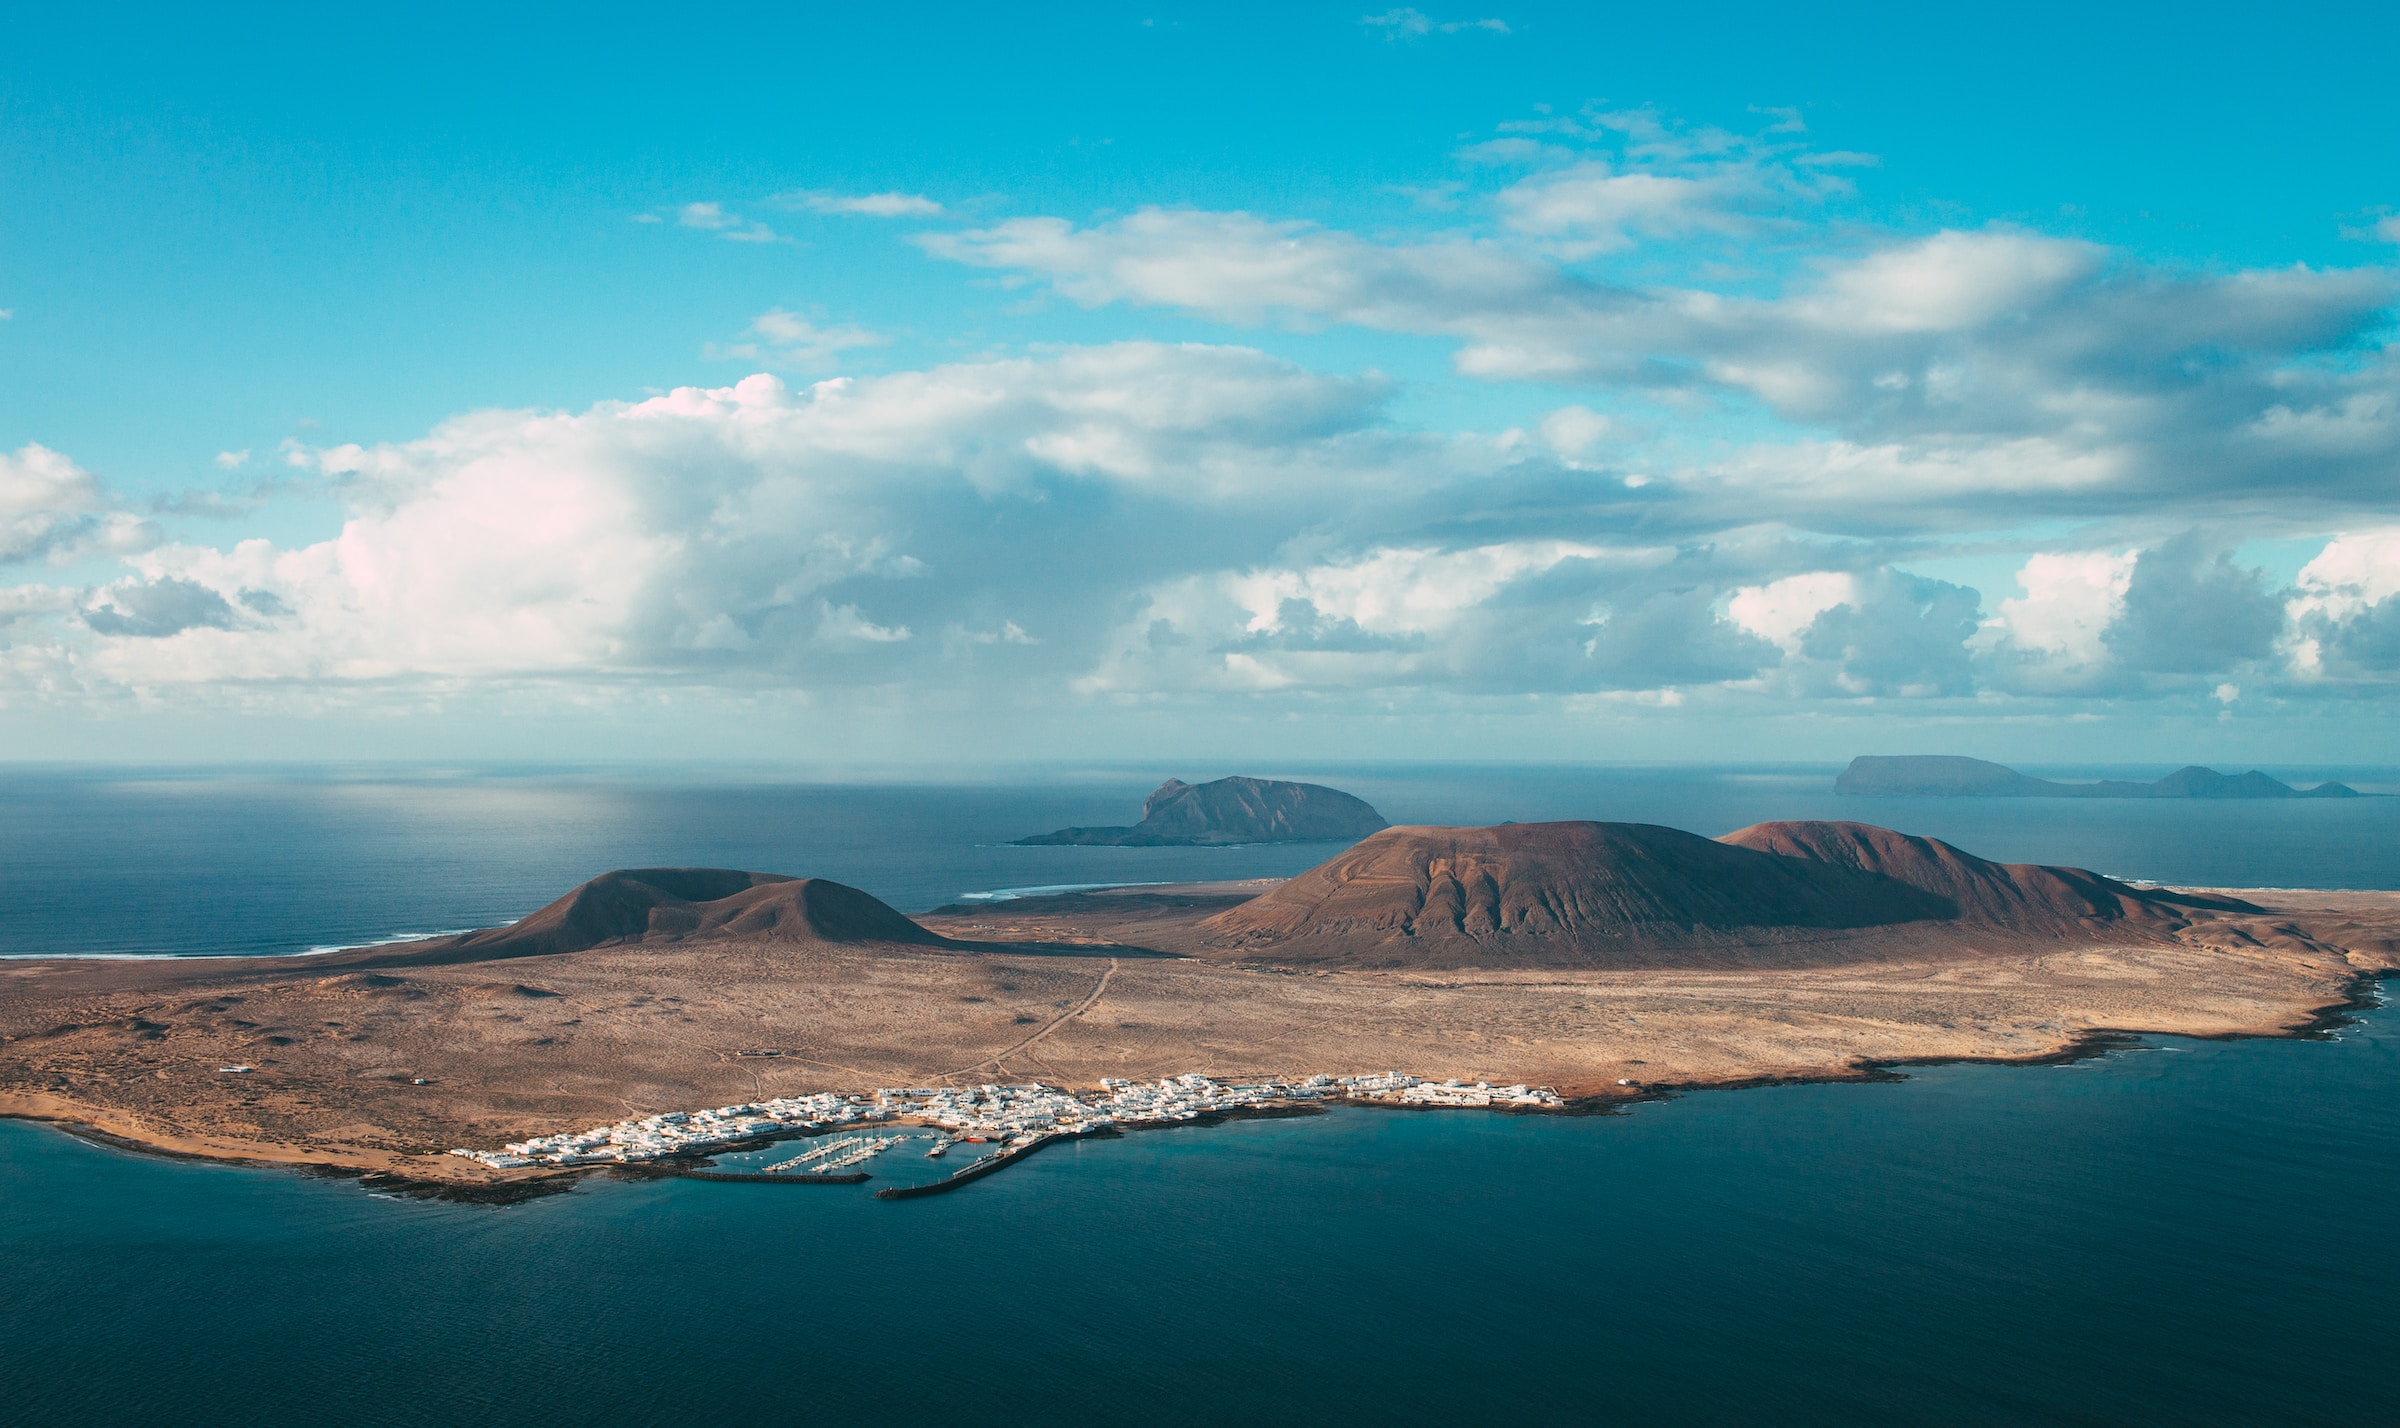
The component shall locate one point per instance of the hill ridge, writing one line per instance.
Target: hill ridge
(666, 905)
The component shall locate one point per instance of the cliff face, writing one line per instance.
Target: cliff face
(1949, 776)
(1231, 810)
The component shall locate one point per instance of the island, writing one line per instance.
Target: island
(1231, 810)
(652, 1018)
(1951, 776)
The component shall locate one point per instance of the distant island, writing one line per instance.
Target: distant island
(1950, 776)
(1230, 810)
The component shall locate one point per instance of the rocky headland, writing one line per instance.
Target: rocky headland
(1231, 810)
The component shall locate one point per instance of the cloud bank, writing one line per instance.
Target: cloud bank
(1749, 487)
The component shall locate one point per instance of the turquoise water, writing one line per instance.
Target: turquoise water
(2198, 1232)
(2193, 1232)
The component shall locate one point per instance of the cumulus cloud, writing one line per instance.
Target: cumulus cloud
(2344, 610)
(2058, 627)
(50, 507)
(2190, 610)
(1883, 633)
(1897, 635)
(753, 532)
(1527, 616)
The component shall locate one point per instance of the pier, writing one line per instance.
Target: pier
(977, 1171)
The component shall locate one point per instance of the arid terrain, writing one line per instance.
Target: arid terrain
(381, 1059)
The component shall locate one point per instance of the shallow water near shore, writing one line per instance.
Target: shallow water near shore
(2195, 1231)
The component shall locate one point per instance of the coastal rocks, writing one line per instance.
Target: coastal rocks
(1231, 810)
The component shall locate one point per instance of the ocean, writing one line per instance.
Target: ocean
(2183, 1231)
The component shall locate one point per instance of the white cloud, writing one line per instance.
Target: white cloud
(2354, 570)
(1495, 618)
(752, 533)
(1244, 268)
(1399, 592)
(788, 340)
(844, 625)
(230, 460)
(1411, 24)
(2005, 362)
(1781, 611)
(2344, 609)
(713, 218)
(861, 205)
(18, 602)
(51, 507)
(1949, 282)
(2070, 600)
(1590, 208)
(1573, 431)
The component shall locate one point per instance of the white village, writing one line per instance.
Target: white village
(1013, 1118)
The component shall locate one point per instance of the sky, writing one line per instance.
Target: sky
(1232, 383)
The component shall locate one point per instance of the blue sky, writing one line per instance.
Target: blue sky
(1502, 381)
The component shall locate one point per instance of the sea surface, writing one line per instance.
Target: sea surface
(2178, 1232)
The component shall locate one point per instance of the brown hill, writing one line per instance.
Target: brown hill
(1556, 894)
(2020, 897)
(1629, 894)
(646, 905)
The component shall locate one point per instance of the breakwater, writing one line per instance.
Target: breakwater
(977, 1171)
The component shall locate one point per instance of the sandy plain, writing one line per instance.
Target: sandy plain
(365, 1064)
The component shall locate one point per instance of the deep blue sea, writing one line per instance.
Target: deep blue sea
(2183, 1232)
